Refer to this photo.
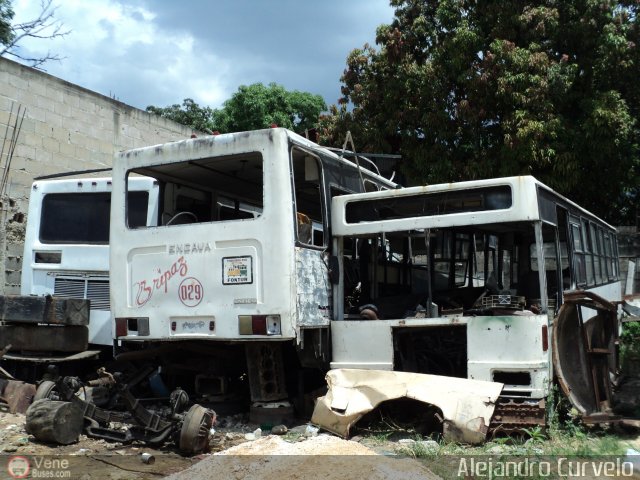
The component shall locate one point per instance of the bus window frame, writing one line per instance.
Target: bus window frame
(322, 194)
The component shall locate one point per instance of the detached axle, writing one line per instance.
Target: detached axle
(189, 429)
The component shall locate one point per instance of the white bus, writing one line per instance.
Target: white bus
(465, 279)
(238, 260)
(66, 248)
(271, 253)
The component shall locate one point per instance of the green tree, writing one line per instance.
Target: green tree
(189, 113)
(469, 89)
(258, 106)
(251, 107)
(44, 26)
(6, 16)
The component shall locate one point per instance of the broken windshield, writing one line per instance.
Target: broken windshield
(208, 190)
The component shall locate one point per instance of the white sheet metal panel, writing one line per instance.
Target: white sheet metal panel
(368, 344)
(510, 343)
(467, 405)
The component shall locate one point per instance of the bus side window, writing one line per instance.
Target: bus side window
(308, 194)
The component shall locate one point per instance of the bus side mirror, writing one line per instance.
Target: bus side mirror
(334, 270)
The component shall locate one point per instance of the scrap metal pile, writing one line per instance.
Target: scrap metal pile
(187, 427)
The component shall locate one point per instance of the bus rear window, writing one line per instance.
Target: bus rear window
(213, 189)
(83, 218)
(75, 218)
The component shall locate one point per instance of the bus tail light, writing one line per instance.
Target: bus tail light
(121, 327)
(545, 338)
(259, 325)
(134, 326)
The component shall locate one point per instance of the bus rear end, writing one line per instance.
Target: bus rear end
(66, 251)
(213, 282)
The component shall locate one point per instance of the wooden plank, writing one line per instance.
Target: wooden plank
(45, 338)
(44, 309)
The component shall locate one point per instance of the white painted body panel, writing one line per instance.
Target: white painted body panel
(510, 343)
(141, 257)
(369, 343)
(78, 261)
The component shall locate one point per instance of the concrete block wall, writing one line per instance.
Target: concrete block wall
(65, 128)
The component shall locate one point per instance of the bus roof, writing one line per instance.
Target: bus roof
(476, 202)
(86, 184)
(187, 149)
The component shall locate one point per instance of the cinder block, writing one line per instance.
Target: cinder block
(13, 263)
(12, 289)
(12, 277)
(36, 87)
(53, 119)
(67, 149)
(45, 103)
(43, 129)
(28, 125)
(18, 82)
(54, 92)
(52, 145)
(72, 99)
(43, 155)
(23, 156)
(31, 139)
(15, 249)
(62, 109)
(9, 91)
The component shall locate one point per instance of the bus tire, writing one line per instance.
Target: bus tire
(46, 390)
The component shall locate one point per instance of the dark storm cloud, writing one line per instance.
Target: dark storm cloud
(146, 52)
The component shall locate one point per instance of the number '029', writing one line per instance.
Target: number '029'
(191, 292)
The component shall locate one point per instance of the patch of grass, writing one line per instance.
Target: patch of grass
(564, 435)
(379, 437)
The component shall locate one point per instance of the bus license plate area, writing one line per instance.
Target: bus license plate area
(192, 326)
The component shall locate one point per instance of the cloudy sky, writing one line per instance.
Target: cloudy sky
(158, 52)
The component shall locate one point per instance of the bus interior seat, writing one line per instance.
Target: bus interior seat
(304, 228)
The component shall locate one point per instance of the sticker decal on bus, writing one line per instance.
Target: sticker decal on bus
(237, 270)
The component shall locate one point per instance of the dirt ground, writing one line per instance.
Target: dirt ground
(323, 456)
(299, 453)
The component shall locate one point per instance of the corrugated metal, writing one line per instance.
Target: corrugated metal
(95, 290)
(98, 293)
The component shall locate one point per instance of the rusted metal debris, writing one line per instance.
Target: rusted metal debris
(16, 395)
(188, 429)
(631, 306)
(44, 309)
(466, 405)
(584, 354)
(514, 415)
(44, 323)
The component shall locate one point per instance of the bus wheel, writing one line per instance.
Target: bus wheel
(46, 390)
(194, 434)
